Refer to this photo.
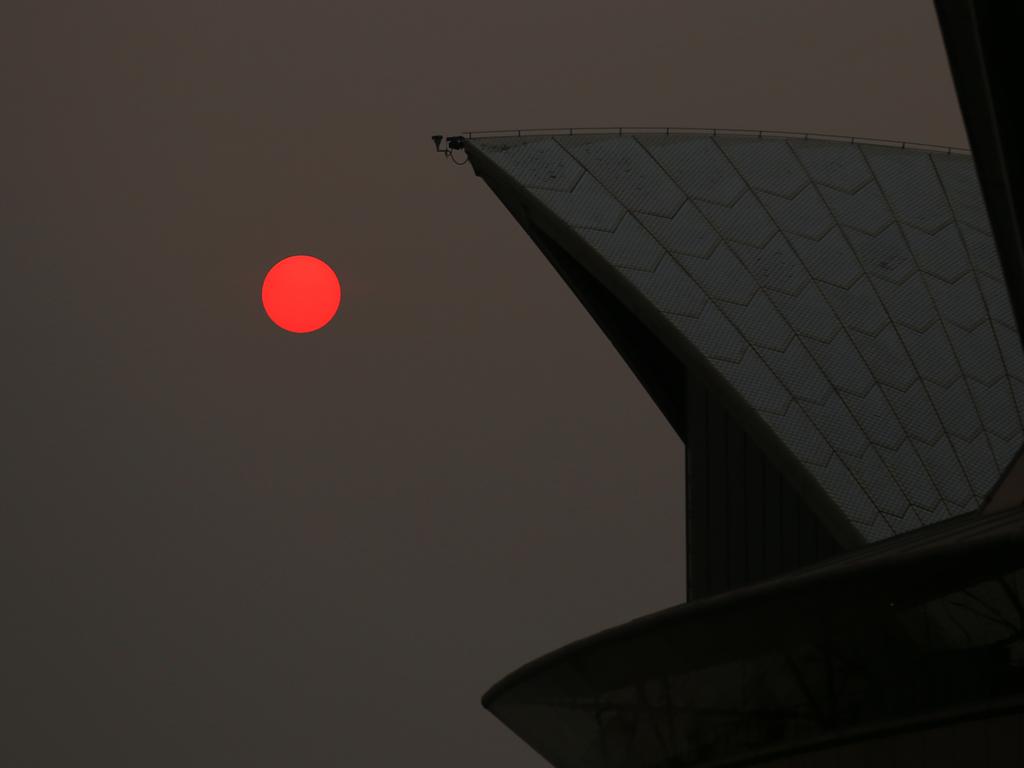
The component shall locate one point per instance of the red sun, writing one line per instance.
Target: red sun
(301, 294)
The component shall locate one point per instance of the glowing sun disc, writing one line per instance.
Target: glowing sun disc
(301, 294)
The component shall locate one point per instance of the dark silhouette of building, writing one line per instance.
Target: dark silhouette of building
(831, 327)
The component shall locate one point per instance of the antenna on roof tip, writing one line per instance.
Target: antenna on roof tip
(453, 145)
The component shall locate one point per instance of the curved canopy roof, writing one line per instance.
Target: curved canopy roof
(848, 297)
(907, 632)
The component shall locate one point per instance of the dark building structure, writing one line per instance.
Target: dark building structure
(832, 328)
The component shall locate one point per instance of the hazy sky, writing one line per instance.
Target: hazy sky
(225, 545)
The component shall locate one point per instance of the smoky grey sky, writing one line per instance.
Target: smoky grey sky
(225, 545)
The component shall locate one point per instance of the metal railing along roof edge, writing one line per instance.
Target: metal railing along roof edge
(766, 134)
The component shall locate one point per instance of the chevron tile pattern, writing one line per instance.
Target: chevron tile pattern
(850, 293)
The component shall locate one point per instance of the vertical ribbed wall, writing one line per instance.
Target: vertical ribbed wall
(744, 521)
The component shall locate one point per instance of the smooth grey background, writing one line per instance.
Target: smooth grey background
(224, 545)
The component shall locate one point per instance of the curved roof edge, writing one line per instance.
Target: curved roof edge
(844, 650)
(955, 549)
(749, 132)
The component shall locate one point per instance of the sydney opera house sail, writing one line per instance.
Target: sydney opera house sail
(843, 302)
(831, 327)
